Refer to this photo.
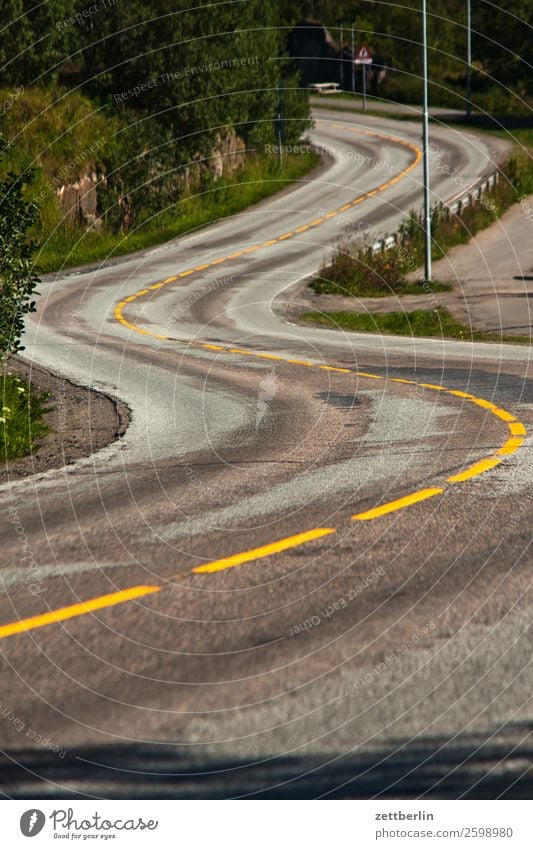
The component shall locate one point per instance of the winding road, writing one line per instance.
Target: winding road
(304, 569)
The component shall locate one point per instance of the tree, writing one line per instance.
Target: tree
(18, 279)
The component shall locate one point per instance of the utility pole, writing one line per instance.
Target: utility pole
(425, 149)
(353, 62)
(468, 58)
(364, 88)
(342, 63)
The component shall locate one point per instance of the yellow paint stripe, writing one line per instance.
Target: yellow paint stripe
(170, 280)
(186, 273)
(285, 236)
(476, 469)
(512, 445)
(218, 261)
(504, 415)
(202, 267)
(334, 368)
(398, 504)
(302, 229)
(371, 376)
(460, 394)
(517, 429)
(435, 386)
(235, 255)
(263, 551)
(266, 356)
(75, 610)
(486, 405)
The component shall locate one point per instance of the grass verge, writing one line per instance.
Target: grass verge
(259, 179)
(21, 419)
(438, 323)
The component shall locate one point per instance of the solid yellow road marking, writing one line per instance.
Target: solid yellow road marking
(517, 429)
(263, 551)
(74, 610)
(476, 469)
(398, 504)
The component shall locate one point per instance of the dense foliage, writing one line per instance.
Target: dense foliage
(501, 46)
(17, 277)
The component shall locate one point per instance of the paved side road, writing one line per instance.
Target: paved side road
(493, 274)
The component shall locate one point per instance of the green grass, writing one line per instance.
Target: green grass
(21, 417)
(259, 179)
(438, 323)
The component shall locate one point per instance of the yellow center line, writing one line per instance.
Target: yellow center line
(263, 551)
(516, 430)
(74, 610)
(398, 504)
(477, 469)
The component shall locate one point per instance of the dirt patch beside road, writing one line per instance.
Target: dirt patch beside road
(81, 421)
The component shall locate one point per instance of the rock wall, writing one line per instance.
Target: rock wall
(79, 199)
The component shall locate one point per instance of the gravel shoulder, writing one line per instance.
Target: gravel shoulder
(81, 420)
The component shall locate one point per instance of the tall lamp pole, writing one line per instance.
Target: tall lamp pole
(342, 63)
(353, 63)
(468, 58)
(425, 149)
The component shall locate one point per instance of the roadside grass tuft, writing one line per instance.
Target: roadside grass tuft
(438, 322)
(21, 416)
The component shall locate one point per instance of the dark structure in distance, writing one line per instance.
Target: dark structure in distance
(318, 58)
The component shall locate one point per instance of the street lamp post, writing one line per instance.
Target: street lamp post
(468, 58)
(353, 63)
(342, 63)
(425, 150)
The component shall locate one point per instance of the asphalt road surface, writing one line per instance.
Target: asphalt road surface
(304, 569)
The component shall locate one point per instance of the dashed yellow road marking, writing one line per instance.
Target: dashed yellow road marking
(74, 610)
(475, 470)
(398, 504)
(263, 551)
(512, 444)
(516, 430)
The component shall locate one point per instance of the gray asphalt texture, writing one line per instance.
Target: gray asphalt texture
(391, 658)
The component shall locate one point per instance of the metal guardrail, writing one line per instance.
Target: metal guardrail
(454, 208)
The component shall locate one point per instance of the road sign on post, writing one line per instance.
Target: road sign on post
(363, 57)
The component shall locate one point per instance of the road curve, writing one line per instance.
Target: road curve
(306, 556)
